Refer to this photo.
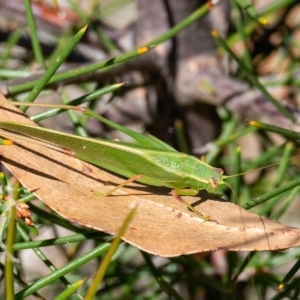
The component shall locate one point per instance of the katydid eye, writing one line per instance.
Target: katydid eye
(220, 171)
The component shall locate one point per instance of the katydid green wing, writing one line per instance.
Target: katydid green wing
(158, 167)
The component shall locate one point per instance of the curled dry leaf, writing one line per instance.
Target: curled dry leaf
(162, 225)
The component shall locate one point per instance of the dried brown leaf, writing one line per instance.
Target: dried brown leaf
(162, 225)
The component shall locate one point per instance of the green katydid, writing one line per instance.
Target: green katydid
(150, 161)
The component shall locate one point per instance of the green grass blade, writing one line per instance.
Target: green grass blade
(291, 273)
(9, 261)
(10, 239)
(54, 219)
(106, 261)
(283, 164)
(76, 263)
(70, 290)
(103, 65)
(11, 42)
(164, 285)
(36, 46)
(286, 187)
(251, 25)
(80, 100)
(183, 24)
(236, 184)
(251, 11)
(57, 241)
(285, 132)
(41, 255)
(252, 78)
(286, 204)
(246, 56)
(42, 82)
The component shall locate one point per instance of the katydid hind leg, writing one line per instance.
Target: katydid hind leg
(126, 182)
(194, 210)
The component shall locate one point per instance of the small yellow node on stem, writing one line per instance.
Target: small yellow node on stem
(254, 123)
(7, 142)
(214, 33)
(143, 50)
(263, 21)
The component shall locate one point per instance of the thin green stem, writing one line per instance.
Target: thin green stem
(41, 255)
(103, 65)
(76, 263)
(83, 99)
(285, 132)
(288, 186)
(106, 261)
(37, 49)
(42, 82)
(67, 293)
(164, 285)
(241, 31)
(252, 78)
(236, 184)
(9, 261)
(183, 24)
(253, 13)
(57, 241)
(11, 42)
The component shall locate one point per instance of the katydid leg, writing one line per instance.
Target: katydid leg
(126, 182)
(194, 210)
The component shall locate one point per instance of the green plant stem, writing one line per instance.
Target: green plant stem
(241, 31)
(242, 267)
(41, 255)
(106, 261)
(37, 49)
(183, 24)
(27, 198)
(80, 100)
(252, 78)
(251, 11)
(66, 294)
(103, 65)
(285, 132)
(10, 42)
(42, 82)
(57, 241)
(286, 204)
(236, 184)
(291, 273)
(54, 219)
(273, 193)
(164, 285)
(76, 263)
(9, 264)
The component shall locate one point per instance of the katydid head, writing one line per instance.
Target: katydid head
(216, 179)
